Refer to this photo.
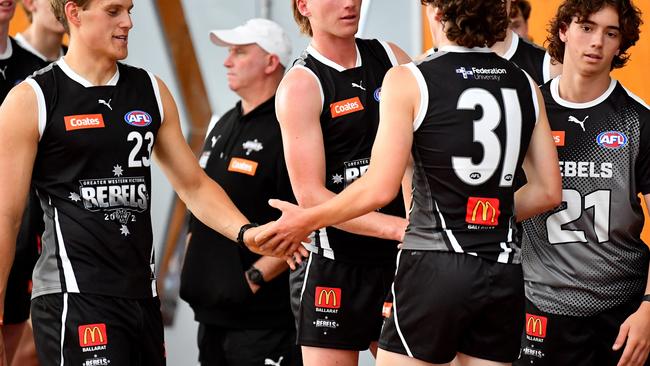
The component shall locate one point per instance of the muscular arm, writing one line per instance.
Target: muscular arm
(203, 197)
(18, 146)
(298, 106)
(543, 191)
(390, 155)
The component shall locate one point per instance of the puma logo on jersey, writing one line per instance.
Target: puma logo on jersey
(360, 85)
(347, 106)
(269, 361)
(108, 104)
(3, 71)
(579, 122)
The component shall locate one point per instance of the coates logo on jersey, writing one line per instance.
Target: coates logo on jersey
(138, 118)
(558, 137)
(377, 94)
(536, 325)
(483, 211)
(83, 121)
(612, 139)
(91, 335)
(328, 297)
(347, 106)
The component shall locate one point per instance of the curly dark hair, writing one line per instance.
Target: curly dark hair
(629, 18)
(473, 23)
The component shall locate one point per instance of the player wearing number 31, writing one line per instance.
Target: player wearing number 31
(585, 266)
(84, 130)
(471, 120)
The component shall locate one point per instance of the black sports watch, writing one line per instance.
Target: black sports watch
(255, 276)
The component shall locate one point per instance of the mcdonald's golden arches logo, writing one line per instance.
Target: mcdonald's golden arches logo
(483, 211)
(92, 335)
(328, 297)
(536, 325)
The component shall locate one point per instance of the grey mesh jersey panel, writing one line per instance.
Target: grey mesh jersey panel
(570, 274)
(447, 209)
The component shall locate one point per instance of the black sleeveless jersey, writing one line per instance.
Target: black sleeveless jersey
(349, 121)
(475, 121)
(531, 58)
(16, 64)
(586, 256)
(92, 174)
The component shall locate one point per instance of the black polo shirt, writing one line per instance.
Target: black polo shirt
(243, 153)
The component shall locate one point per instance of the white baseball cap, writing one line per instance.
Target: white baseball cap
(263, 32)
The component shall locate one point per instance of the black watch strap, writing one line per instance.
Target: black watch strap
(646, 297)
(255, 276)
(242, 230)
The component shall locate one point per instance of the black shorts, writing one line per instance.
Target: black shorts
(337, 304)
(247, 347)
(98, 330)
(445, 303)
(558, 340)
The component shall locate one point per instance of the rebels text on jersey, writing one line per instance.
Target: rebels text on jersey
(475, 121)
(349, 122)
(92, 174)
(586, 256)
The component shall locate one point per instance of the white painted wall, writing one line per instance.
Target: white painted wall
(395, 21)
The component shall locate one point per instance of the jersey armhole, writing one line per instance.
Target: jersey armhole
(390, 53)
(546, 67)
(320, 86)
(533, 91)
(40, 101)
(156, 91)
(424, 95)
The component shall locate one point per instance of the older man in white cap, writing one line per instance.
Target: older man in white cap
(241, 300)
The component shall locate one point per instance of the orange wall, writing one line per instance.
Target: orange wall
(19, 21)
(633, 75)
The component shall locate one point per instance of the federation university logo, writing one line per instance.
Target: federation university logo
(138, 118)
(466, 73)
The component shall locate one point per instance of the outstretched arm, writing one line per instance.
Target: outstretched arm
(380, 184)
(543, 190)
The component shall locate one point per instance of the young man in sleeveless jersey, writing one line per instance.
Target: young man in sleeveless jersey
(328, 108)
(458, 290)
(585, 266)
(84, 130)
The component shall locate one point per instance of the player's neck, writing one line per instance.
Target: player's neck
(4, 37)
(577, 88)
(254, 95)
(97, 70)
(501, 47)
(343, 51)
(47, 43)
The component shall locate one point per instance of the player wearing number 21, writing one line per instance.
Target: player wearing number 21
(585, 266)
(469, 133)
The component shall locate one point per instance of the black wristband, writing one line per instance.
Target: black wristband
(646, 297)
(242, 230)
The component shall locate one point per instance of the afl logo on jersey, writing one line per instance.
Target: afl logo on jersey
(611, 139)
(138, 118)
(377, 94)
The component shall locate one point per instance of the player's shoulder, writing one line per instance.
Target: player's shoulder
(530, 47)
(639, 104)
